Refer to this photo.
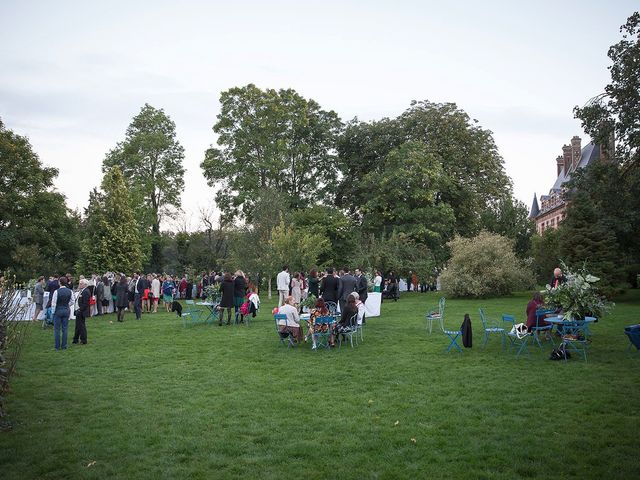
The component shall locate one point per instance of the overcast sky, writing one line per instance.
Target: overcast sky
(74, 74)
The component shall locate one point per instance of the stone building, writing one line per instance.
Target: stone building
(552, 208)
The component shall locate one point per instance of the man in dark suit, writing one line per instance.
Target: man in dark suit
(362, 285)
(138, 289)
(329, 287)
(83, 311)
(348, 285)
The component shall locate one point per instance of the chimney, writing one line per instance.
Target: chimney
(566, 158)
(560, 162)
(576, 151)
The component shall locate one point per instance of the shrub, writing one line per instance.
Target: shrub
(484, 266)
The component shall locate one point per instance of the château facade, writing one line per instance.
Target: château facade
(551, 210)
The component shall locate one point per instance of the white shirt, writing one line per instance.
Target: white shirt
(155, 288)
(377, 281)
(283, 280)
(291, 312)
(361, 310)
(255, 299)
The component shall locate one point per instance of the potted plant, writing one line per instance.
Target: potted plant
(578, 297)
(308, 303)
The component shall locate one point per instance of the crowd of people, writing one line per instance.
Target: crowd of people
(138, 293)
(235, 294)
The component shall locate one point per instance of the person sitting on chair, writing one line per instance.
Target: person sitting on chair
(532, 307)
(320, 310)
(292, 323)
(360, 307)
(350, 309)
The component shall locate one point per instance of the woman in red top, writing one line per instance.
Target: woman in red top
(532, 307)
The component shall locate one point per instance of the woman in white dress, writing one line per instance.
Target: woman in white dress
(296, 288)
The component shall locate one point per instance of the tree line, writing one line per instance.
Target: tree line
(296, 184)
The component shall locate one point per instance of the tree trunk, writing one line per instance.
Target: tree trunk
(269, 287)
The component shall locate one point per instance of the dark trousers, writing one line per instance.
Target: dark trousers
(81, 329)
(121, 314)
(137, 305)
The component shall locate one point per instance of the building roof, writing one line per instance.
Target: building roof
(535, 209)
(589, 154)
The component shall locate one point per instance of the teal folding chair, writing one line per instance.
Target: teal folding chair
(540, 327)
(349, 331)
(192, 313)
(436, 315)
(285, 337)
(518, 341)
(576, 336)
(322, 331)
(490, 327)
(453, 336)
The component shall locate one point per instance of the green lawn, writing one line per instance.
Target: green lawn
(151, 399)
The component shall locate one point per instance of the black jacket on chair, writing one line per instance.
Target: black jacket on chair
(467, 335)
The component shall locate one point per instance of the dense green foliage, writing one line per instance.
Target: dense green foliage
(38, 234)
(111, 242)
(274, 140)
(616, 113)
(151, 399)
(545, 254)
(151, 158)
(484, 266)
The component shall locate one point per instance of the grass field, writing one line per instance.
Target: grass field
(151, 399)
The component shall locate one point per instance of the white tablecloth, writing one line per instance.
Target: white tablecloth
(372, 305)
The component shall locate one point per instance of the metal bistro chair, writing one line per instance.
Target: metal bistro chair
(491, 326)
(321, 339)
(436, 315)
(283, 335)
(332, 307)
(575, 336)
(535, 331)
(453, 337)
(192, 313)
(350, 331)
(518, 342)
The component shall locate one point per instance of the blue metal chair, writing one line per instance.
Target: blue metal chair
(192, 313)
(518, 342)
(535, 331)
(575, 336)
(633, 333)
(453, 337)
(491, 327)
(436, 315)
(349, 332)
(320, 337)
(285, 337)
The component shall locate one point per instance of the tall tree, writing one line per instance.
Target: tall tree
(150, 159)
(111, 239)
(38, 234)
(274, 140)
(510, 217)
(617, 110)
(467, 153)
(407, 197)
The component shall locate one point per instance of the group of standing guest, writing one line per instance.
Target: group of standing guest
(330, 285)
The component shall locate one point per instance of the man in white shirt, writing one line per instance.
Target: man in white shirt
(283, 280)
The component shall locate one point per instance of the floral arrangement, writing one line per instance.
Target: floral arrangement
(309, 302)
(212, 293)
(578, 297)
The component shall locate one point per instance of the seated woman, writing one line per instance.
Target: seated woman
(350, 309)
(292, 324)
(360, 307)
(320, 310)
(533, 306)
